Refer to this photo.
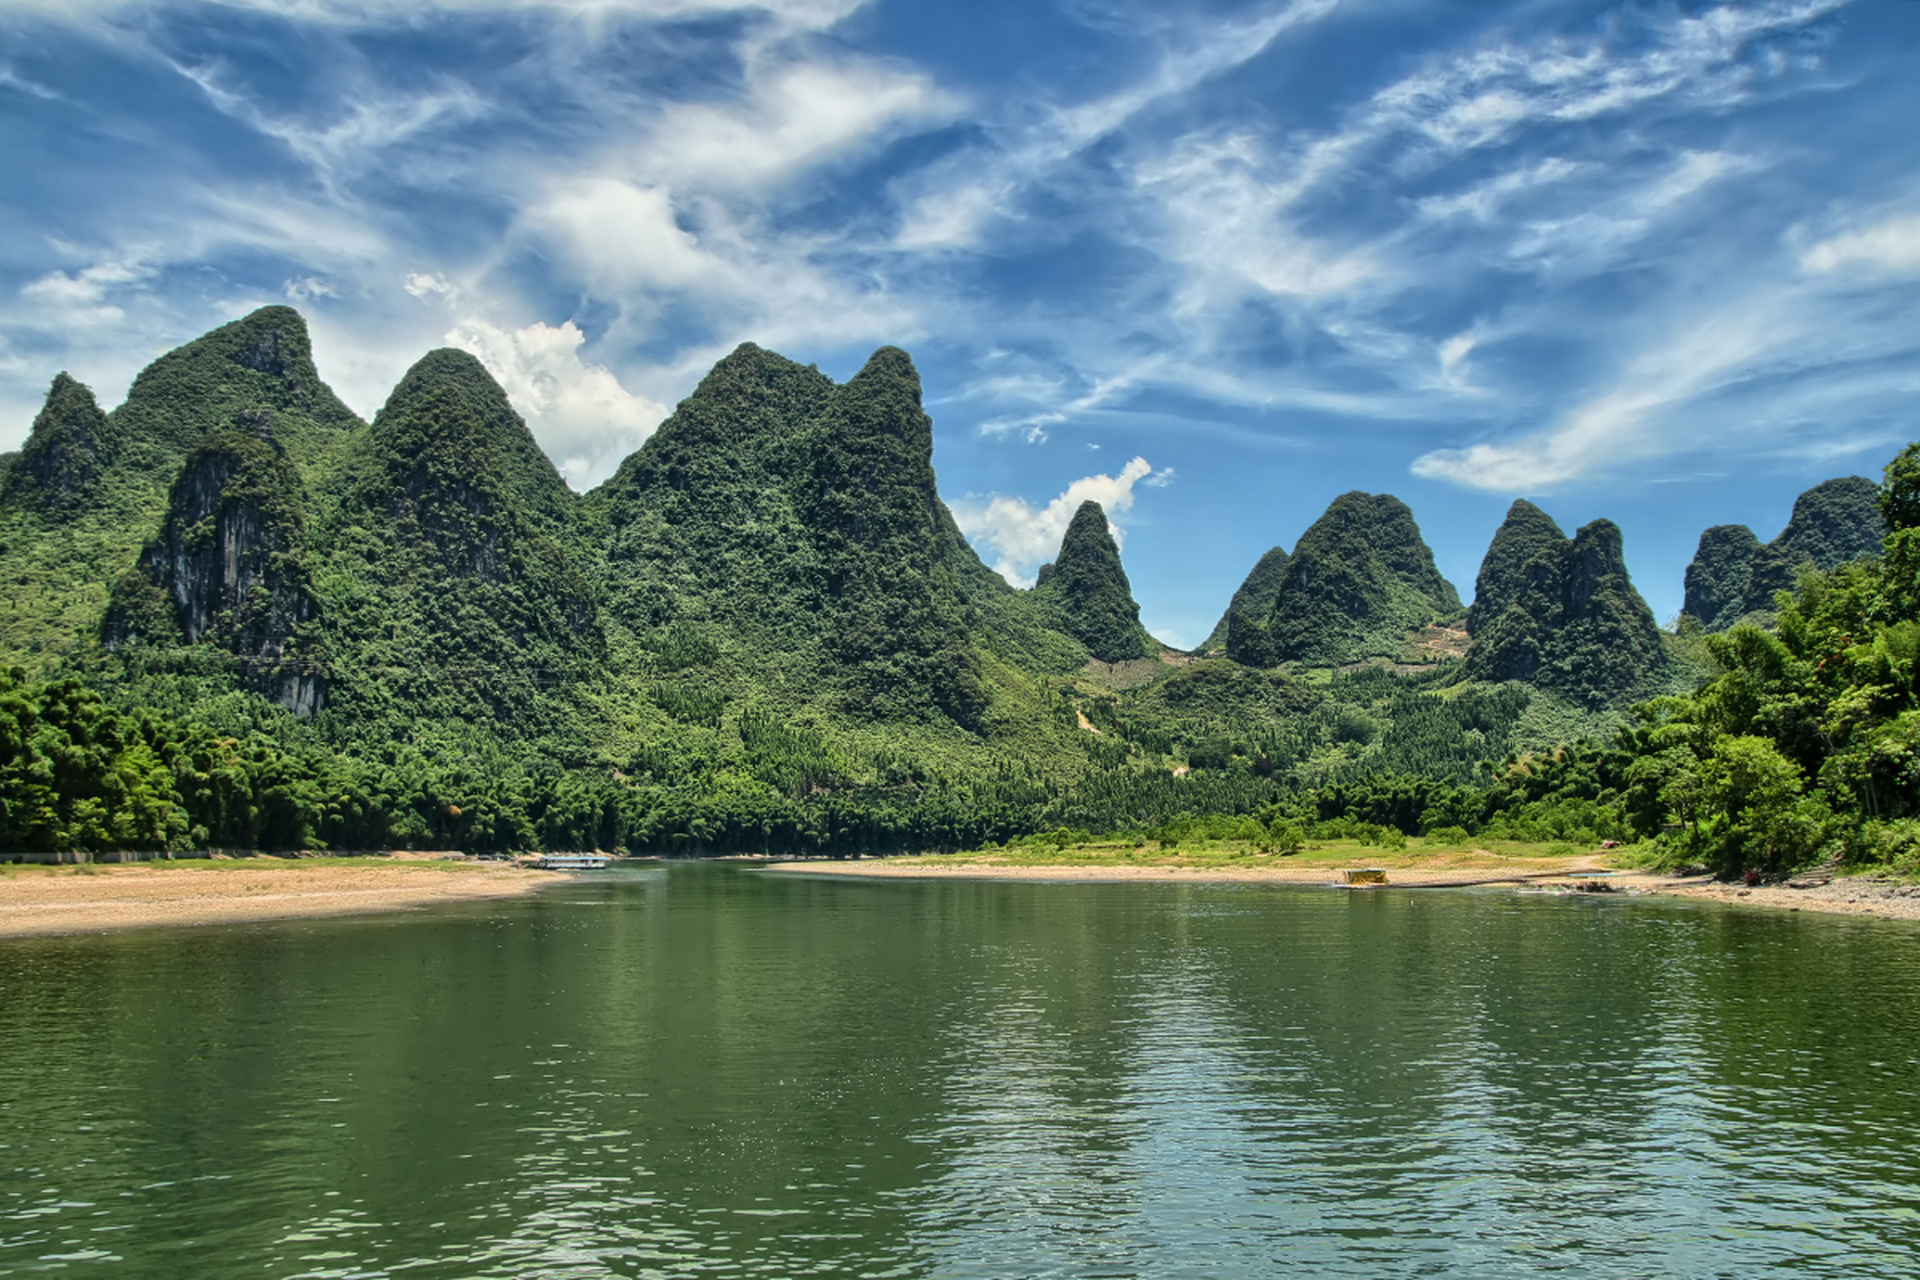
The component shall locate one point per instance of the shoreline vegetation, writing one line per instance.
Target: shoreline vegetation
(39, 900)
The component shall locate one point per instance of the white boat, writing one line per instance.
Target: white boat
(574, 861)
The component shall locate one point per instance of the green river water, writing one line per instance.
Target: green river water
(699, 1070)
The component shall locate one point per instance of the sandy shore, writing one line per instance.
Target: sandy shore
(50, 900)
(1851, 895)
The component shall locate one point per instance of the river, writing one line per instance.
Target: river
(712, 1070)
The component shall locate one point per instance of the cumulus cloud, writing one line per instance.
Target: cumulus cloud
(82, 297)
(584, 419)
(1021, 537)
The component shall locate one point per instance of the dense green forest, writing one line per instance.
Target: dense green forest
(240, 617)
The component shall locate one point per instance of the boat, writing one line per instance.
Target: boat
(574, 861)
(1363, 875)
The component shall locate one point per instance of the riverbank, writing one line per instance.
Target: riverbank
(94, 899)
(1839, 895)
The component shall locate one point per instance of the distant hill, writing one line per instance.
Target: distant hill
(89, 492)
(1085, 593)
(1562, 614)
(1254, 598)
(1733, 575)
(1359, 580)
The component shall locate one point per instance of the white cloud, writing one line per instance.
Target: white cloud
(623, 237)
(427, 285)
(307, 288)
(812, 15)
(81, 297)
(1021, 537)
(950, 204)
(795, 117)
(1483, 200)
(1891, 247)
(1594, 237)
(1631, 420)
(584, 419)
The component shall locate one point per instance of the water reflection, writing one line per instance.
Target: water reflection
(706, 1070)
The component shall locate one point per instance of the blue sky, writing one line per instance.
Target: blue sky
(1211, 262)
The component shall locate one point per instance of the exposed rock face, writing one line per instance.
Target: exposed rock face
(1359, 580)
(67, 448)
(228, 568)
(1087, 591)
(1253, 601)
(1562, 615)
(1733, 575)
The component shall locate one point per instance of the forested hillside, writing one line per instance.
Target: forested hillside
(242, 617)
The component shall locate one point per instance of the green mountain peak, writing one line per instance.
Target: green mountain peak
(66, 449)
(1566, 617)
(1086, 593)
(262, 360)
(1733, 575)
(1359, 580)
(1526, 534)
(1254, 598)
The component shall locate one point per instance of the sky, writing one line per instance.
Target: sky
(1212, 263)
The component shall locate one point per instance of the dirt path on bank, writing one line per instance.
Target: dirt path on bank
(53, 900)
(1849, 895)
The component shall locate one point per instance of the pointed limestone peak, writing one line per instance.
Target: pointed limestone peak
(1717, 578)
(1360, 578)
(882, 403)
(748, 407)
(1570, 620)
(749, 376)
(449, 417)
(1597, 564)
(870, 458)
(892, 366)
(454, 510)
(1525, 534)
(264, 359)
(65, 450)
(1088, 592)
(1254, 598)
(1835, 521)
(1733, 575)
